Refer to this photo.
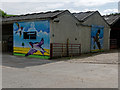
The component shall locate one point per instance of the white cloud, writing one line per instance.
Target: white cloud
(29, 7)
(84, 10)
(108, 11)
(74, 2)
(46, 33)
(49, 6)
(89, 3)
(35, 6)
(74, 10)
(64, 1)
(40, 31)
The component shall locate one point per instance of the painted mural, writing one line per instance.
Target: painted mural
(32, 39)
(97, 38)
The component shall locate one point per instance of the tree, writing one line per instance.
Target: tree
(2, 13)
(115, 14)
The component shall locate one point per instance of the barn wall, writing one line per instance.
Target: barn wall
(0, 36)
(107, 38)
(85, 35)
(65, 29)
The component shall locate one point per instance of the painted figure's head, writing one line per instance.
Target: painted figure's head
(21, 28)
(98, 31)
(42, 39)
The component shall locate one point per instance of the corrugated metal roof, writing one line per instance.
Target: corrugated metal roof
(111, 19)
(41, 15)
(83, 15)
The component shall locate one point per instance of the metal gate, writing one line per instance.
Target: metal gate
(63, 50)
(113, 43)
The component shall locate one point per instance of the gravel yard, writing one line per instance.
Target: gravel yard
(98, 70)
(110, 57)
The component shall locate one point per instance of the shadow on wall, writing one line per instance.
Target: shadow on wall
(0, 47)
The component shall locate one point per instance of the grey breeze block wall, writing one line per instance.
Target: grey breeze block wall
(96, 19)
(65, 29)
(85, 38)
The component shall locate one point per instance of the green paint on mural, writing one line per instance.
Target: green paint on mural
(35, 56)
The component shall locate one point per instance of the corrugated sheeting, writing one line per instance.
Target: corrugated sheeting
(111, 19)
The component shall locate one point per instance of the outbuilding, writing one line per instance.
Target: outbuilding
(57, 33)
(114, 22)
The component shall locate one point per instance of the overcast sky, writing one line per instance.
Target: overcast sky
(34, 6)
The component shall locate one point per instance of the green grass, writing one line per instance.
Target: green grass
(10, 15)
(97, 51)
(33, 56)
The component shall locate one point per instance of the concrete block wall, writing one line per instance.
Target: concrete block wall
(85, 38)
(65, 29)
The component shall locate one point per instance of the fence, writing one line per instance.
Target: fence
(113, 43)
(63, 50)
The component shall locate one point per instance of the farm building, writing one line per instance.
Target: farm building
(57, 33)
(114, 22)
(96, 22)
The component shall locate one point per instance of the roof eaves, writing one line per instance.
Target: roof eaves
(18, 20)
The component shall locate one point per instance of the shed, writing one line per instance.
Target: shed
(114, 22)
(43, 35)
(57, 33)
(98, 24)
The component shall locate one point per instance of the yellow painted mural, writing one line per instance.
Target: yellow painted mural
(26, 50)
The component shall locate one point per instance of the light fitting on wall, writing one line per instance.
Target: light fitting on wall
(75, 38)
(56, 20)
(53, 35)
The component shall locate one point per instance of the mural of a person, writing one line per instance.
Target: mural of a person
(96, 40)
(35, 47)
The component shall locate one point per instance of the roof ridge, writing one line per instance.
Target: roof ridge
(84, 12)
(111, 19)
(36, 13)
(84, 15)
(89, 14)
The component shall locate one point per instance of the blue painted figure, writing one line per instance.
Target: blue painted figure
(96, 39)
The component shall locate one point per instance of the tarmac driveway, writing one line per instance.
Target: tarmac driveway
(21, 72)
